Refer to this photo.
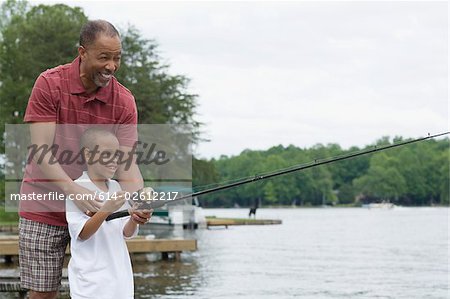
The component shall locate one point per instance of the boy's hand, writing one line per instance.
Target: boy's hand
(114, 202)
(140, 216)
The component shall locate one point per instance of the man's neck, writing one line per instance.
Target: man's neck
(88, 84)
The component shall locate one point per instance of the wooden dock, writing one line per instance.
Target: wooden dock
(9, 228)
(9, 246)
(213, 221)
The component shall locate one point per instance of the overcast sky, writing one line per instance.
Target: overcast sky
(301, 73)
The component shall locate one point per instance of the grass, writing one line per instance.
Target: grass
(8, 218)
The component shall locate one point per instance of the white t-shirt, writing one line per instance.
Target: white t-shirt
(100, 266)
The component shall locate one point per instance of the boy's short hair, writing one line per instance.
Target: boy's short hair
(89, 138)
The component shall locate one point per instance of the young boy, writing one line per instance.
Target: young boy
(100, 265)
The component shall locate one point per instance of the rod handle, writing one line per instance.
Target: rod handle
(119, 214)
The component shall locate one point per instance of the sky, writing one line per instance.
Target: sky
(301, 73)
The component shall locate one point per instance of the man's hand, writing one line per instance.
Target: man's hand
(85, 200)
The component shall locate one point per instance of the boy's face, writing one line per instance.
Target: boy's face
(102, 159)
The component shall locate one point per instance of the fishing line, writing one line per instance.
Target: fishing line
(154, 203)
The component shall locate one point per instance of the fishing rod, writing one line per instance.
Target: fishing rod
(146, 199)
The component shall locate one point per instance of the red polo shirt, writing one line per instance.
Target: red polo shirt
(59, 96)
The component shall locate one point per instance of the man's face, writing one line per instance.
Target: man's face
(101, 59)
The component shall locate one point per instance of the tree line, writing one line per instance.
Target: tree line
(413, 175)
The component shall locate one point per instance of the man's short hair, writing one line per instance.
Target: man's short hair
(92, 29)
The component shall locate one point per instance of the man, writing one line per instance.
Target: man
(83, 92)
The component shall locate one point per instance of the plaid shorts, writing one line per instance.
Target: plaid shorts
(41, 255)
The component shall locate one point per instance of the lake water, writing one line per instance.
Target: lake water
(315, 253)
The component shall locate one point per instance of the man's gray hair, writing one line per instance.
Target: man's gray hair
(92, 29)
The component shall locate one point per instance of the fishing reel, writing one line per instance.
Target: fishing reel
(145, 199)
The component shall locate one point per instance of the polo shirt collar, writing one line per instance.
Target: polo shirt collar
(76, 86)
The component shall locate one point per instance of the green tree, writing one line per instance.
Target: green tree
(383, 181)
(444, 179)
(270, 195)
(43, 37)
(413, 167)
(9, 10)
(346, 194)
(344, 172)
(204, 173)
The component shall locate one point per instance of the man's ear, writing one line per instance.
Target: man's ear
(82, 52)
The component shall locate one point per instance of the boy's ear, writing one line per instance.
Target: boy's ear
(86, 153)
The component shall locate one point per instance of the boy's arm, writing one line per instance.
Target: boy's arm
(135, 219)
(129, 228)
(92, 225)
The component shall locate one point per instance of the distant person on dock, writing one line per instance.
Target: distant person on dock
(253, 209)
(100, 265)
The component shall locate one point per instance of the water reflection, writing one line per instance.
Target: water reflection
(315, 253)
(153, 280)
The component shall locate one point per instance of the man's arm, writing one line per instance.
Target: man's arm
(43, 134)
(130, 179)
(128, 174)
